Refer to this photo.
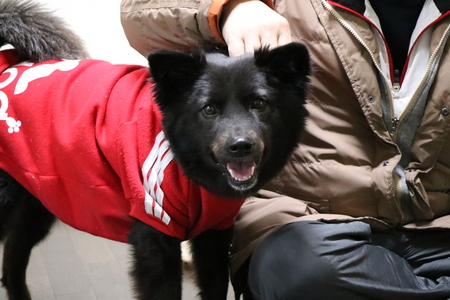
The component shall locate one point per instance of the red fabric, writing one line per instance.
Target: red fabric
(77, 135)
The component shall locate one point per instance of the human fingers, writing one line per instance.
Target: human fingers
(251, 43)
(252, 24)
(236, 46)
(285, 36)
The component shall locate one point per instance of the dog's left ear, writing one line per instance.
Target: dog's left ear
(289, 63)
(176, 68)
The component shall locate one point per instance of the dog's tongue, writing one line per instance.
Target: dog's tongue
(241, 170)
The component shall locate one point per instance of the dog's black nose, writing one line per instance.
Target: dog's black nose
(241, 147)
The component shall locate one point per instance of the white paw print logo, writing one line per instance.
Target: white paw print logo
(28, 76)
(14, 126)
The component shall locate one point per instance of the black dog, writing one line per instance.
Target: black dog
(153, 161)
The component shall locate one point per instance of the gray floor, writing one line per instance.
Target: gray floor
(73, 265)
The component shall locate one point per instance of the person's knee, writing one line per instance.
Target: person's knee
(285, 264)
(300, 259)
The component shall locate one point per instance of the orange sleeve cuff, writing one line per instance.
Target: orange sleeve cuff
(214, 13)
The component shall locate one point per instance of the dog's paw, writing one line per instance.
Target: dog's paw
(186, 255)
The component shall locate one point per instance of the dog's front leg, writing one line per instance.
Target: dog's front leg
(210, 251)
(156, 270)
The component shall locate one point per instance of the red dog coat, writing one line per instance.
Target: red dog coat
(85, 138)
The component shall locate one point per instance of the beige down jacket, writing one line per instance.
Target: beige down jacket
(374, 150)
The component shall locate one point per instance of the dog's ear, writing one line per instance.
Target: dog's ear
(176, 68)
(288, 63)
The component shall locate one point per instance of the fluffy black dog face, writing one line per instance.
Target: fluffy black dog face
(232, 122)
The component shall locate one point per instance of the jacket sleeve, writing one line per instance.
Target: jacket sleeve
(169, 24)
(172, 24)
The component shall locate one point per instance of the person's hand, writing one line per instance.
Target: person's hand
(250, 24)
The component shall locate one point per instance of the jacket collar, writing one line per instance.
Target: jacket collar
(359, 6)
(442, 5)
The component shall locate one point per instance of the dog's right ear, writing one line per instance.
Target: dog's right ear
(175, 68)
(289, 63)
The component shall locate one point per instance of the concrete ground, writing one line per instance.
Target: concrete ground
(73, 265)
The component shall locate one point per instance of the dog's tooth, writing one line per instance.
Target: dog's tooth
(232, 173)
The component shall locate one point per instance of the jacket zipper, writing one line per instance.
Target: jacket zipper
(396, 85)
(394, 124)
(425, 77)
(395, 121)
(350, 29)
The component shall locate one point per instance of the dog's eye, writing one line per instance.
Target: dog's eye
(259, 104)
(209, 110)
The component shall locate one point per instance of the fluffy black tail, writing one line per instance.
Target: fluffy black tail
(36, 33)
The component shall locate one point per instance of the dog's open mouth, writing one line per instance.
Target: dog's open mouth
(241, 171)
(242, 175)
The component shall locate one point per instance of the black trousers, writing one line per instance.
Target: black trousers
(310, 260)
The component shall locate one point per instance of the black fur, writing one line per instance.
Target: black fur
(47, 36)
(187, 82)
(221, 115)
(24, 223)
